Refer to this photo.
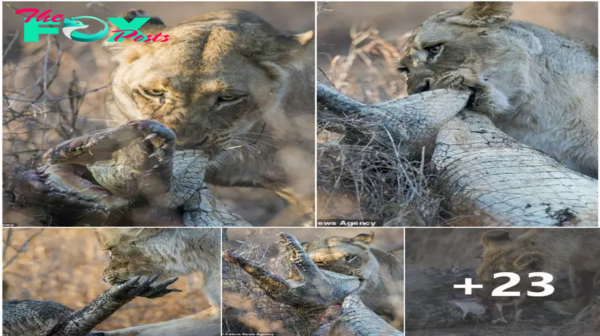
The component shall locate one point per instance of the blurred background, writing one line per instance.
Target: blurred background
(246, 308)
(58, 67)
(441, 248)
(452, 251)
(65, 265)
(358, 46)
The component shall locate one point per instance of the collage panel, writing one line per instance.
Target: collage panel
(526, 282)
(300, 168)
(204, 118)
(457, 114)
(78, 282)
(313, 281)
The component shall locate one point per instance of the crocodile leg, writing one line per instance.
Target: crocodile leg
(82, 321)
(53, 319)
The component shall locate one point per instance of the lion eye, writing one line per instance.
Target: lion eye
(434, 49)
(229, 97)
(154, 92)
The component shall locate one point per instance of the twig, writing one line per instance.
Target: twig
(22, 248)
(56, 99)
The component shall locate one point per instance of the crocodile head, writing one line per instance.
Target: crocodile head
(308, 286)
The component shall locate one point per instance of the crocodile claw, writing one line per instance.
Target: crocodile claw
(134, 287)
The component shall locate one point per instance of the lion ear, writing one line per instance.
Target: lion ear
(286, 48)
(366, 238)
(532, 261)
(485, 13)
(108, 237)
(495, 238)
(128, 50)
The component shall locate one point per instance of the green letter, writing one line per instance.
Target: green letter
(32, 30)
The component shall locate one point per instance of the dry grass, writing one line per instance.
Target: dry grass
(371, 176)
(65, 265)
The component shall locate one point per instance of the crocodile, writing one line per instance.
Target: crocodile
(49, 318)
(316, 295)
(505, 182)
(130, 175)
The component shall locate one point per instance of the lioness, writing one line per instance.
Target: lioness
(168, 252)
(538, 86)
(381, 273)
(228, 83)
(542, 250)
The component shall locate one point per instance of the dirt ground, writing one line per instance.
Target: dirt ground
(447, 248)
(65, 265)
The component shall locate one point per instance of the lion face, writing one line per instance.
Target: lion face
(166, 252)
(132, 253)
(349, 256)
(467, 40)
(212, 81)
(503, 254)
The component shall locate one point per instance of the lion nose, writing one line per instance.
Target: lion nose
(423, 86)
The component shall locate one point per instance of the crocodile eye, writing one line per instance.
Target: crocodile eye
(154, 92)
(350, 258)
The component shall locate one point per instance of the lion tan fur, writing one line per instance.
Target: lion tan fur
(231, 84)
(538, 86)
(543, 250)
(169, 253)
